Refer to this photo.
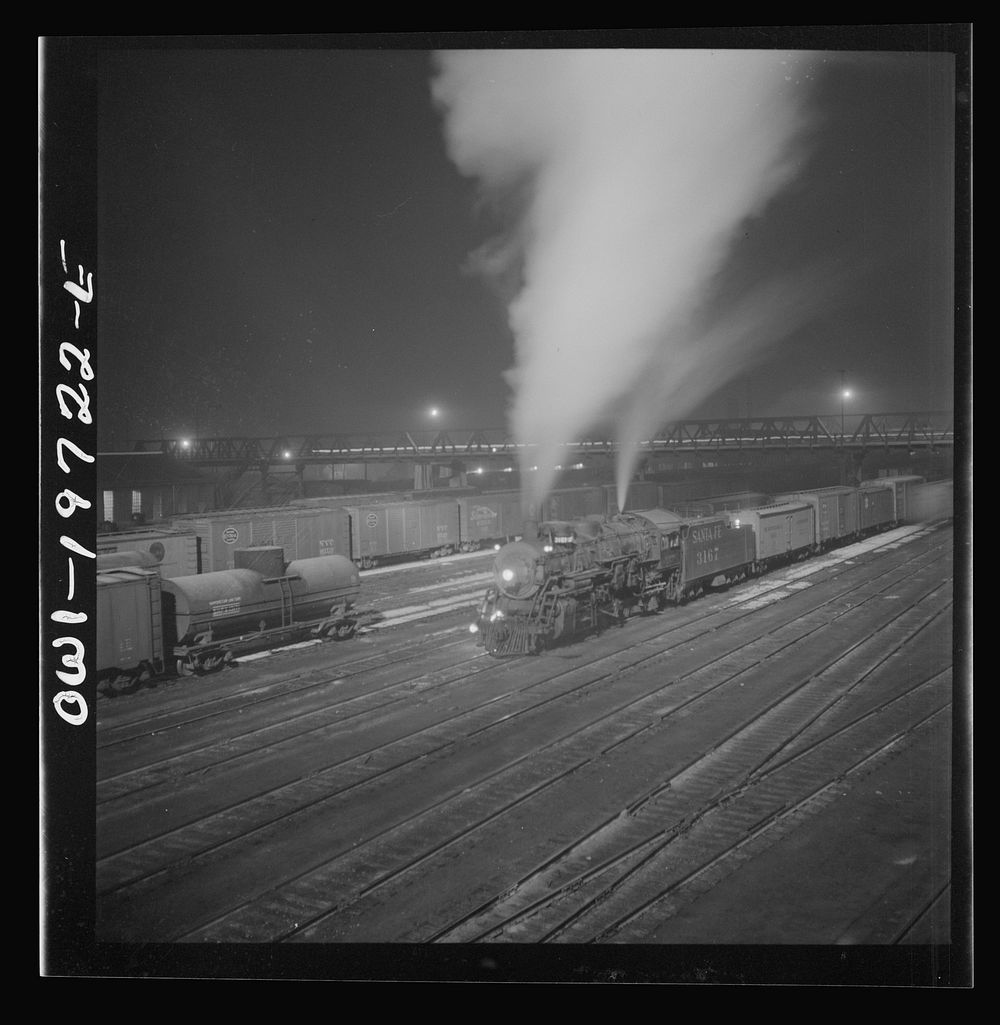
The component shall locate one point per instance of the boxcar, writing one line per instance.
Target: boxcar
(780, 530)
(641, 494)
(902, 490)
(726, 503)
(835, 510)
(933, 500)
(876, 509)
(129, 622)
(385, 531)
(176, 553)
(490, 518)
(303, 533)
(574, 503)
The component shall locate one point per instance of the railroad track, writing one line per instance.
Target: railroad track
(301, 905)
(602, 888)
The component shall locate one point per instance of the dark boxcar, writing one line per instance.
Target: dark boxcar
(726, 503)
(641, 494)
(678, 494)
(835, 509)
(781, 529)
(933, 500)
(176, 553)
(129, 621)
(902, 489)
(116, 560)
(303, 533)
(337, 501)
(714, 547)
(403, 528)
(490, 518)
(574, 503)
(876, 509)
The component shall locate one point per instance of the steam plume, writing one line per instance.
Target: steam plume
(623, 176)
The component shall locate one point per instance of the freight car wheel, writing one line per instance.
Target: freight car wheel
(185, 667)
(344, 632)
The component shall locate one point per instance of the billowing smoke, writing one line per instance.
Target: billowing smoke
(623, 177)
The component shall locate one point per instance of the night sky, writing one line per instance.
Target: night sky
(285, 247)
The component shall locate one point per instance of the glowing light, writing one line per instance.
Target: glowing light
(434, 411)
(185, 443)
(508, 575)
(547, 548)
(496, 548)
(286, 454)
(846, 394)
(473, 629)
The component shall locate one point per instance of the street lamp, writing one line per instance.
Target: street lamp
(845, 394)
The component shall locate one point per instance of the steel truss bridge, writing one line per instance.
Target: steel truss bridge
(855, 433)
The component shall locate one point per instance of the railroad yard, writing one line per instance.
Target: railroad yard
(768, 765)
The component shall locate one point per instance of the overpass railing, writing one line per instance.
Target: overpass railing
(870, 430)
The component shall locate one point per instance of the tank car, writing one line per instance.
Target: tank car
(208, 618)
(577, 576)
(197, 623)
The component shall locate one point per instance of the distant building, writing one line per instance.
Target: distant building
(145, 487)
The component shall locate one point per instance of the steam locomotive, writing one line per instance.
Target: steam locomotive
(570, 577)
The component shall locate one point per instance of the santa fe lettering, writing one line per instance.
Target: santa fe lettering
(700, 535)
(68, 500)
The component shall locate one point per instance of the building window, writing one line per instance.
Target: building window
(109, 506)
(136, 501)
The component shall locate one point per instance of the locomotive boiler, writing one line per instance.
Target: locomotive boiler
(581, 575)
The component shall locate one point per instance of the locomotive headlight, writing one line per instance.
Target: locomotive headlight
(516, 570)
(547, 549)
(473, 628)
(736, 523)
(496, 548)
